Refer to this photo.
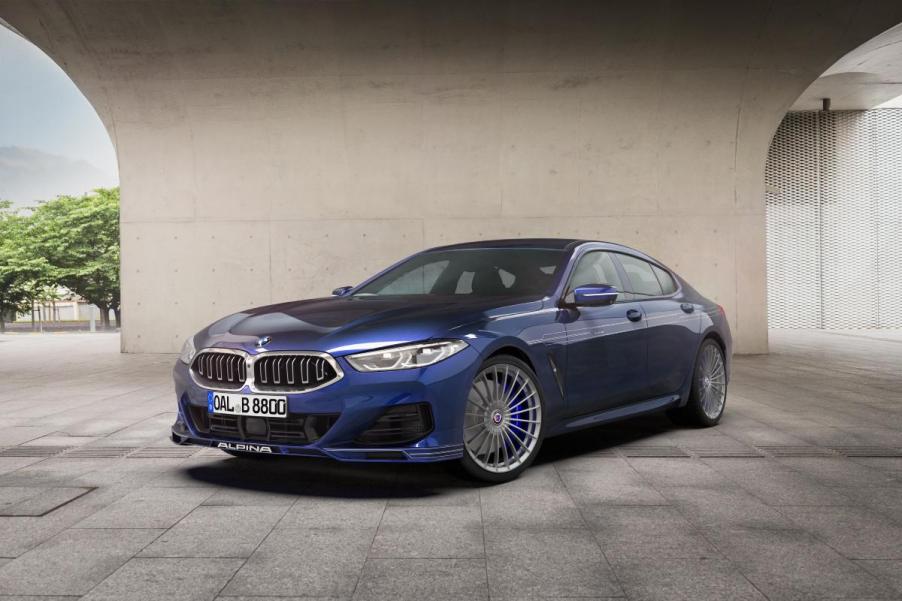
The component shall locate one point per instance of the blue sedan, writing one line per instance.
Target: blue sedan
(473, 352)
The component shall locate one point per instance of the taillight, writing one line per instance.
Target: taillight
(722, 312)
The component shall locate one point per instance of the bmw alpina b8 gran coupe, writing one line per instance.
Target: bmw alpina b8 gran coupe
(473, 352)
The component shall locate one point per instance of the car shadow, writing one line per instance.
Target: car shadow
(325, 478)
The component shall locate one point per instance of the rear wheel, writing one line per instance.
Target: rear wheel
(502, 420)
(708, 396)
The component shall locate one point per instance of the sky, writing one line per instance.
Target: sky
(51, 140)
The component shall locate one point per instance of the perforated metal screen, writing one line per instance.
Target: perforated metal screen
(834, 220)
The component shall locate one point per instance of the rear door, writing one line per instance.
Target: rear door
(606, 346)
(672, 325)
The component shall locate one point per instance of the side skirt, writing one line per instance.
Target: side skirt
(617, 414)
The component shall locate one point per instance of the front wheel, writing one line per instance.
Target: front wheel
(502, 420)
(708, 395)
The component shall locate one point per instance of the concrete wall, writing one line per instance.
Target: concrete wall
(274, 150)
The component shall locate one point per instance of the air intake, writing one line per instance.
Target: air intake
(399, 425)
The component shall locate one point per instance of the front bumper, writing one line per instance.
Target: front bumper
(354, 404)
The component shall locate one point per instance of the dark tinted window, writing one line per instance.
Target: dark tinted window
(665, 279)
(472, 272)
(416, 281)
(642, 279)
(596, 268)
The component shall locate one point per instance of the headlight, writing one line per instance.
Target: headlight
(188, 351)
(406, 357)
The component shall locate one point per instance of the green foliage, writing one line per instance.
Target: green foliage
(78, 237)
(21, 272)
(72, 241)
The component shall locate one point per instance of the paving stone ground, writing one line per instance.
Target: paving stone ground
(797, 495)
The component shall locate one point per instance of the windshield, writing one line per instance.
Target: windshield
(477, 272)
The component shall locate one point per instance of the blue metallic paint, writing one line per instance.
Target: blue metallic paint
(609, 367)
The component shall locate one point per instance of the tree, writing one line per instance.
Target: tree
(78, 237)
(19, 269)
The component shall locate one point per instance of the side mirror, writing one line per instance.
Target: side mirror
(341, 291)
(595, 295)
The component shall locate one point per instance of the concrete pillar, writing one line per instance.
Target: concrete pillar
(275, 150)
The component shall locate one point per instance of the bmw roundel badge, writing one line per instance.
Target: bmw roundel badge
(264, 341)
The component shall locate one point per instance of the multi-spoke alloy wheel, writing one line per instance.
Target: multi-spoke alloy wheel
(711, 381)
(503, 419)
(708, 394)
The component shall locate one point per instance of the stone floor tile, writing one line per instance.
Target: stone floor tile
(314, 512)
(217, 532)
(792, 565)
(73, 562)
(837, 471)
(236, 497)
(891, 466)
(775, 484)
(11, 464)
(547, 563)
(39, 598)
(689, 579)
(147, 508)
(607, 481)
(436, 496)
(675, 471)
(58, 439)
(538, 499)
(154, 579)
(725, 508)
(280, 598)
(419, 579)
(429, 532)
(52, 471)
(884, 500)
(888, 571)
(309, 562)
(638, 533)
(854, 532)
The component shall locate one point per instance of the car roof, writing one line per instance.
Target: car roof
(565, 244)
(541, 243)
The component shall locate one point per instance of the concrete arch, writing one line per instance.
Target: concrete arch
(274, 150)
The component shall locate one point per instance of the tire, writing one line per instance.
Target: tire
(708, 395)
(503, 420)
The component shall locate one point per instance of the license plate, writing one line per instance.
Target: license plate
(247, 404)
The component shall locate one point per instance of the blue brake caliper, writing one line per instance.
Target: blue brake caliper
(516, 419)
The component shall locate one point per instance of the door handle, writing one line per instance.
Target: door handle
(634, 315)
(687, 307)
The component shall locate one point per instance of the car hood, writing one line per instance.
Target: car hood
(344, 325)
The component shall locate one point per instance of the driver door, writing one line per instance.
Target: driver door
(606, 346)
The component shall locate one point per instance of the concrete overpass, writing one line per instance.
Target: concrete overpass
(275, 150)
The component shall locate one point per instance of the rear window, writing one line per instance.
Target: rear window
(665, 279)
(642, 278)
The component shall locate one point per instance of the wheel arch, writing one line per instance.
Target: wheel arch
(513, 351)
(713, 334)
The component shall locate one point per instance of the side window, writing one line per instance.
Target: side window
(596, 268)
(666, 280)
(465, 283)
(642, 278)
